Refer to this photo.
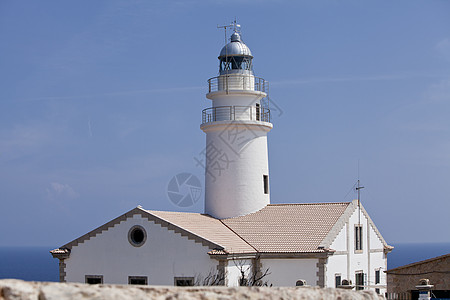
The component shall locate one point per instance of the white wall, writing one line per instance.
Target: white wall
(375, 242)
(347, 261)
(340, 242)
(238, 189)
(286, 272)
(233, 271)
(337, 264)
(236, 100)
(164, 255)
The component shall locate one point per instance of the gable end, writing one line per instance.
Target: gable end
(331, 236)
(150, 217)
(371, 223)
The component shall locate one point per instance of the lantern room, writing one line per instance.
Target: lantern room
(235, 57)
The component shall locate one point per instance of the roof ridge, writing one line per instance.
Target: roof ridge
(309, 203)
(182, 228)
(419, 262)
(238, 235)
(338, 225)
(175, 212)
(220, 244)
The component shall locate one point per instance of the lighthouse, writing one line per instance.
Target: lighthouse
(236, 127)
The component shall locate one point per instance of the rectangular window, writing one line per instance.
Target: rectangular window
(337, 280)
(266, 183)
(184, 281)
(359, 278)
(258, 116)
(377, 280)
(93, 279)
(138, 280)
(358, 237)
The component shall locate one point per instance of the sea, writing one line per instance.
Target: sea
(37, 264)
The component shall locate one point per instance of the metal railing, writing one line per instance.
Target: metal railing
(232, 113)
(237, 82)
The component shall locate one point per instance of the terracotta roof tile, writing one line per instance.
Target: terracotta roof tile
(217, 252)
(206, 227)
(288, 227)
(59, 251)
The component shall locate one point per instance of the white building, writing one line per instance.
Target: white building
(241, 238)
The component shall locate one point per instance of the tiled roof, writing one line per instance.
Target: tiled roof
(59, 251)
(288, 228)
(218, 252)
(277, 228)
(206, 227)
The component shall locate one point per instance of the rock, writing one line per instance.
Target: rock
(18, 290)
(11, 289)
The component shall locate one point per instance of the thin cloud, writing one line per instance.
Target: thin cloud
(22, 140)
(60, 192)
(443, 47)
(350, 79)
(193, 88)
(89, 128)
(116, 94)
(439, 92)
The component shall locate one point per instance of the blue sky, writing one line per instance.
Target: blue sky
(100, 106)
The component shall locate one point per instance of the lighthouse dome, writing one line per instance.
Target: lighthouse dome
(235, 48)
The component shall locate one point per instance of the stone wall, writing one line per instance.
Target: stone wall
(405, 278)
(11, 289)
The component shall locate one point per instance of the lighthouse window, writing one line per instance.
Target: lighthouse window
(235, 63)
(137, 236)
(266, 183)
(258, 116)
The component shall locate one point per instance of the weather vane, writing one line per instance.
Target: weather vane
(236, 28)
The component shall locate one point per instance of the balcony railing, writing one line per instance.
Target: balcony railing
(232, 113)
(235, 82)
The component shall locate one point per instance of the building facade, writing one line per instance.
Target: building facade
(402, 281)
(315, 242)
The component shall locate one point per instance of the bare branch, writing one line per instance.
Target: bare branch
(214, 277)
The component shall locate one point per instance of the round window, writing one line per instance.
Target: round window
(137, 236)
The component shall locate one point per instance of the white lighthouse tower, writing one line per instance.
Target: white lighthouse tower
(236, 127)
